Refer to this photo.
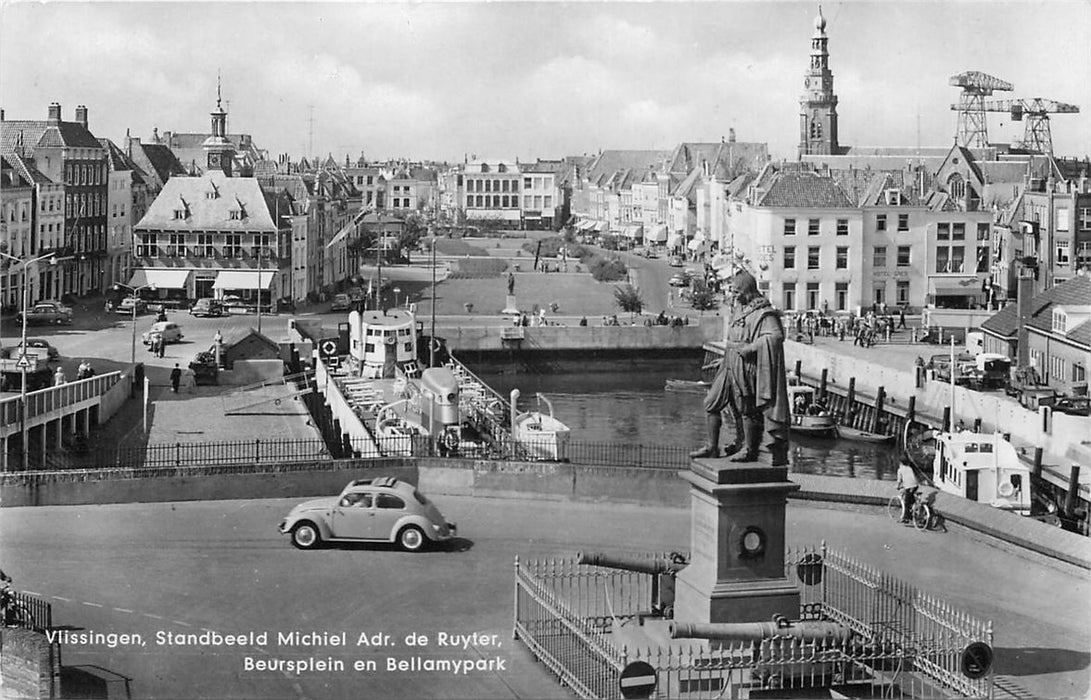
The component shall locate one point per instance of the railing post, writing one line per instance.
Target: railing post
(822, 384)
(850, 403)
(880, 396)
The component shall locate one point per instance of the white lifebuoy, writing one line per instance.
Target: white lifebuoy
(390, 340)
(1007, 489)
(450, 441)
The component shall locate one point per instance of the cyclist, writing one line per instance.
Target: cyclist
(908, 486)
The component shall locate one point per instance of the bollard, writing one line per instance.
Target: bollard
(822, 384)
(918, 377)
(880, 396)
(977, 425)
(947, 419)
(1036, 470)
(850, 403)
(1073, 490)
(1045, 413)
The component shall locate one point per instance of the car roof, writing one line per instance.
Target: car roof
(387, 482)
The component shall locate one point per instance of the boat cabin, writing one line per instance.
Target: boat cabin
(809, 416)
(439, 399)
(982, 467)
(382, 342)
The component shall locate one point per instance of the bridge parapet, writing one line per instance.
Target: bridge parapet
(53, 402)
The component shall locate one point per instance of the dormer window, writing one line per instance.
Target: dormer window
(1060, 321)
(893, 197)
(236, 214)
(179, 214)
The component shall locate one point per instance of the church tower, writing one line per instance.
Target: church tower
(818, 105)
(219, 151)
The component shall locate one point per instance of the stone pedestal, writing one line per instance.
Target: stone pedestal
(510, 306)
(736, 570)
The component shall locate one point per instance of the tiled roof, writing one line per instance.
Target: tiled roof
(1005, 171)
(1074, 292)
(118, 161)
(736, 157)
(806, 190)
(43, 134)
(609, 162)
(688, 186)
(210, 214)
(162, 160)
(10, 175)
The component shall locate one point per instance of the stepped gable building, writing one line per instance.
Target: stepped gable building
(67, 153)
(1056, 338)
(215, 235)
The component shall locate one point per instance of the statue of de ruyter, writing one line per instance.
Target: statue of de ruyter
(751, 383)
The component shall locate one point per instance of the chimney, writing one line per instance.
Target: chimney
(81, 115)
(1, 114)
(731, 135)
(1025, 291)
(55, 113)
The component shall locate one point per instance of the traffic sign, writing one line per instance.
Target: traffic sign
(977, 659)
(637, 680)
(328, 347)
(24, 361)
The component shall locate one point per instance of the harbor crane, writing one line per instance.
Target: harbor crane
(1037, 137)
(973, 132)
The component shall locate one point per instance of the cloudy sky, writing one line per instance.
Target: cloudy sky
(535, 79)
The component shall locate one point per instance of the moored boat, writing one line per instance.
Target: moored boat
(809, 416)
(695, 386)
(540, 435)
(846, 433)
(982, 467)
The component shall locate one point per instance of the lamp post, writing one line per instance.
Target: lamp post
(133, 294)
(23, 350)
(397, 291)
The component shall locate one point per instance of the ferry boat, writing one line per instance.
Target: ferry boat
(809, 417)
(982, 467)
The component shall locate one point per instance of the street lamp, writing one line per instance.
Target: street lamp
(397, 291)
(133, 293)
(23, 350)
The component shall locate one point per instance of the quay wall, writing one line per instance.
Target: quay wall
(481, 338)
(1058, 434)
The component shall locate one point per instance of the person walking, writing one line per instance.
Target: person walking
(58, 377)
(175, 378)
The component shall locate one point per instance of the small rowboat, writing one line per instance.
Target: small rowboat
(694, 386)
(846, 433)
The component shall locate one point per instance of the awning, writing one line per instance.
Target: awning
(694, 244)
(244, 279)
(954, 286)
(633, 232)
(600, 226)
(657, 234)
(165, 279)
(674, 239)
(585, 225)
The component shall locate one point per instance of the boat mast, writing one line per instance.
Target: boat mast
(432, 339)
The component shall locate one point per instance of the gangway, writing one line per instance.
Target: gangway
(272, 391)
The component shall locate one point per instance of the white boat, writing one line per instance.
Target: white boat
(982, 467)
(540, 435)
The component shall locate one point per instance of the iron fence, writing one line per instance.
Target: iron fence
(26, 611)
(903, 642)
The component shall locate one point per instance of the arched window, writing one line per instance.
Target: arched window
(956, 186)
(816, 129)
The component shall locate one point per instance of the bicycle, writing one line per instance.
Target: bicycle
(921, 513)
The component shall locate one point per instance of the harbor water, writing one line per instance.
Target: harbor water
(624, 402)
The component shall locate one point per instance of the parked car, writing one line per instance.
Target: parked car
(47, 312)
(169, 330)
(341, 302)
(207, 307)
(39, 347)
(126, 306)
(383, 509)
(679, 281)
(675, 261)
(1073, 405)
(232, 301)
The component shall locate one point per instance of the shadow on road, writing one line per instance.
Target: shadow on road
(455, 544)
(1026, 661)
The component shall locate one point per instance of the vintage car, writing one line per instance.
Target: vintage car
(47, 312)
(170, 331)
(383, 509)
(1073, 405)
(207, 307)
(130, 304)
(341, 302)
(39, 347)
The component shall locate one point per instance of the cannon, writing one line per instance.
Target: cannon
(662, 569)
(779, 626)
(671, 564)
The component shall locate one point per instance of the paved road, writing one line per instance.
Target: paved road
(186, 566)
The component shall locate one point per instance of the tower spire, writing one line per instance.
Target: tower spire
(218, 107)
(818, 105)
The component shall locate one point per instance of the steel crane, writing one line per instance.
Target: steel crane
(976, 86)
(1037, 137)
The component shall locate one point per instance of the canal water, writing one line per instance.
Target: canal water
(625, 402)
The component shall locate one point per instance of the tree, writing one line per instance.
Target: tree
(628, 298)
(703, 300)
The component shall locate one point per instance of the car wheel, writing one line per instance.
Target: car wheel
(411, 538)
(305, 535)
